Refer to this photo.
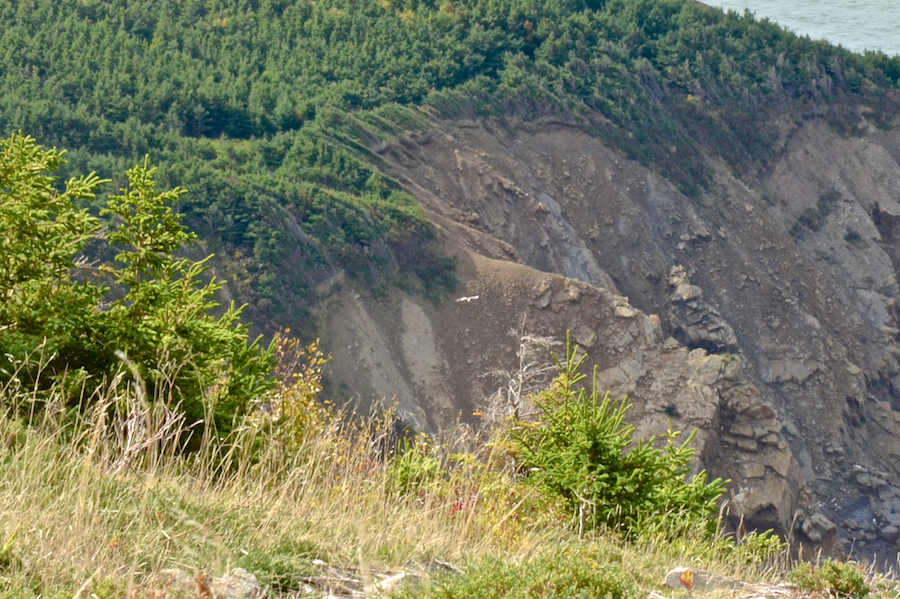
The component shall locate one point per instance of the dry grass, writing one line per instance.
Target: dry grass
(103, 493)
(96, 500)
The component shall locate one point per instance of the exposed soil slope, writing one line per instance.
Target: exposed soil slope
(794, 272)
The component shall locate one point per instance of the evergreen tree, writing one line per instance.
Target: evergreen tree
(59, 317)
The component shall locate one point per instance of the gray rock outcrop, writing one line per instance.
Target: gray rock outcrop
(811, 311)
(237, 583)
(693, 321)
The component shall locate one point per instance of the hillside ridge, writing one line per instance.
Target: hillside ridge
(808, 309)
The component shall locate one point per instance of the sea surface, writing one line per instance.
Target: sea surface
(857, 25)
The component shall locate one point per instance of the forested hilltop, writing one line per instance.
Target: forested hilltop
(257, 107)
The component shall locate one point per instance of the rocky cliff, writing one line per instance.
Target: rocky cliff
(762, 312)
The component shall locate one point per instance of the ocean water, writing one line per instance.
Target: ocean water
(857, 25)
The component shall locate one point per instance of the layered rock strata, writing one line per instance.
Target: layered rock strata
(793, 269)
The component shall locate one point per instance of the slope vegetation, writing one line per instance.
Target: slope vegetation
(252, 105)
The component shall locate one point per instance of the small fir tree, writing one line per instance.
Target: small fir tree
(582, 449)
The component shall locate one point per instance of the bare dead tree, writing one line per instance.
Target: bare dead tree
(533, 372)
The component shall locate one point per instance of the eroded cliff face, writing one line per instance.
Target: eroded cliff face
(762, 313)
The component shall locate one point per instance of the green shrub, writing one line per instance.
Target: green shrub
(814, 218)
(582, 449)
(580, 571)
(283, 567)
(854, 238)
(827, 201)
(841, 579)
(414, 469)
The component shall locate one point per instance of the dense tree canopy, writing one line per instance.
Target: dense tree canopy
(258, 106)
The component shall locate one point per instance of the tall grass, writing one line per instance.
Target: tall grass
(104, 492)
(98, 499)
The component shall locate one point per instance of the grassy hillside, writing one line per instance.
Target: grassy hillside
(101, 503)
(258, 107)
(266, 111)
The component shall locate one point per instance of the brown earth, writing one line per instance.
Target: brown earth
(762, 313)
